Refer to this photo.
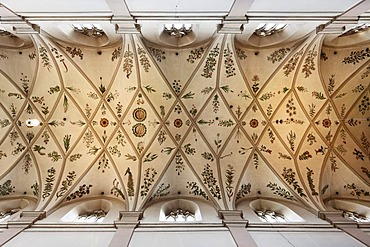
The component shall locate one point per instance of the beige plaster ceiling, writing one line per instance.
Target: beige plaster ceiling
(238, 116)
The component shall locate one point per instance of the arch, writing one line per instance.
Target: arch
(10, 208)
(85, 208)
(68, 213)
(206, 209)
(291, 212)
(278, 208)
(180, 204)
(351, 210)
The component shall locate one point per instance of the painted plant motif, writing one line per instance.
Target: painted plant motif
(82, 190)
(211, 182)
(144, 61)
(240, 53)
(356, 191)
(27, 163)
(289, 176)
(292, 63)
(195, 54)
(244, 190)
(366, 73)
(59, 56)
(364, 105)
(149, 175)
(196, 190)
(116, 53)
(130, 183)
(229, 62)
(66, 184)
(278, 190)
(356, 56)
(116, 189)
(45, 60)
(162, 191)
(309, 63)
(158, 54)
(230, 173)
(128, 61)
(49, 183)
(211, 62)
(6, 188)
(180, 167)
(75, 52)
(310, 173)
(278, 55)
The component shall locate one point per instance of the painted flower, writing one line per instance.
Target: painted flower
(139, 114)
(139, 130)
(326, 123)
(177, 123)
(253, 123)
(104, 122)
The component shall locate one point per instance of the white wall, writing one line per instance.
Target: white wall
(61, 238)
(304, 239)
(182, 239)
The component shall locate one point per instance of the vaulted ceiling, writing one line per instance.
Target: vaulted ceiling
(224, 117)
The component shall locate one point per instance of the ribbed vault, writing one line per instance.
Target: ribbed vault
(221, 121)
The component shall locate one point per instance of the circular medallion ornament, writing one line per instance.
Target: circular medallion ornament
(253, 123)
(177, 123)
(139, 114)
(326, 123)
(104, 122)
(139, 130)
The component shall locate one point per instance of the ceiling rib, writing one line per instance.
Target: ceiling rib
(122, 19)
(348, 18)
(235, 20)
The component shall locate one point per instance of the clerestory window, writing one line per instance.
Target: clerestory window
(4, 33)
(267, 29)
(180, 215)
(270, 216)
(178, 30)
(5, 215)
(91, 30)
(357, 29)
(355, 216)
(95, 216)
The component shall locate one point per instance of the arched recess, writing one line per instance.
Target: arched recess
(182, 204)
(68, 213)
(65, 33)
(292, 33)
(293, 212)
(359, 207)
(14, 207)
(203, 210)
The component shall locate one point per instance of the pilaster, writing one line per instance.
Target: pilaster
(125, 228)
(348, 226)
(16, 226)
(233, 220)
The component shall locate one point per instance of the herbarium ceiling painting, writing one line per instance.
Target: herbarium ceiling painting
(221, 122)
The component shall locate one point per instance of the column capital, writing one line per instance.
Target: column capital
(336, 219)
(129, 218)
(227, 214)
(16, 226)
(233, 220)
(128, 221)
(27, 218)
(130, 215)
(349, 226)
